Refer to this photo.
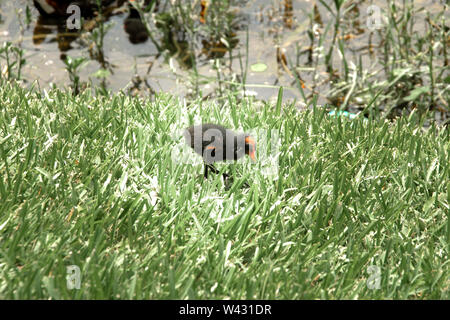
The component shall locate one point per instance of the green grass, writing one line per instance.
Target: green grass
(90, 182)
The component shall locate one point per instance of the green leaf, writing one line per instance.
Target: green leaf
(258, 67)
(101, 73)
(447, 80)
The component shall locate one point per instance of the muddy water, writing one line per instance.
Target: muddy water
(277, 37)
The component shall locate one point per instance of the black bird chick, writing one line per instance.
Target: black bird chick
(216, 143)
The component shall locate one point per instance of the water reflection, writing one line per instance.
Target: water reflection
(200, 46)
(53, 16)
(175, 38)
(134, 27)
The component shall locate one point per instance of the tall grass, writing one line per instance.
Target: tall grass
(90, 181)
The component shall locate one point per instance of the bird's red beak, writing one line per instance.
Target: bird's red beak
(252, 156)
(252, 143)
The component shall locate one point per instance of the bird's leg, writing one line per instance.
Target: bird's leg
(205, 174)
(214, 170)
(210, 167)
(225, 176)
